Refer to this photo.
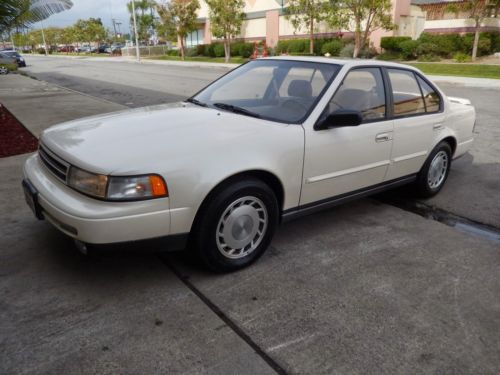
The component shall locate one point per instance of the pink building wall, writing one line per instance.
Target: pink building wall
(399, 8)
(272, 28)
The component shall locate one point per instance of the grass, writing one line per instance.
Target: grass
(233, 60)
(462, 70)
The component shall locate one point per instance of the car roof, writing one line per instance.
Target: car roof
(340, 61)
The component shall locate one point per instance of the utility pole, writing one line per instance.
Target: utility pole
(43, 38)
(114, 25)
(137, 52)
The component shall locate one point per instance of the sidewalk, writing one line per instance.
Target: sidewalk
(39, 105)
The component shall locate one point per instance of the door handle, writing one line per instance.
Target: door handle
(382, 137)
(437, 126)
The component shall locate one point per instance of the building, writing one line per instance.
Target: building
(265, 20)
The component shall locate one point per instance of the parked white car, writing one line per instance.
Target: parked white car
(271, 140)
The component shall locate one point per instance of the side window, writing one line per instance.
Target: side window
(431, 97)
(406, 93)
(362, 90)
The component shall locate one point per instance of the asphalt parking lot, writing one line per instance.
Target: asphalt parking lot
(367, 287)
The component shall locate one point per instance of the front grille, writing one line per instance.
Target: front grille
(54, 164)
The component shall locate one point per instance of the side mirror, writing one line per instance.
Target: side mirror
(339, 118)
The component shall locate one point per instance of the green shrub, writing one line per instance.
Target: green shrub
(320, 42)
(392, 43)
(219, 50)
(428, 58)
(367, 53)
(461, 57)
(301, 54)
(10, 67)
(347, 40)
(347, 51)
(209, 50)
(445, 44)
(409, 49)
(333, 48)
(388, 56)
(282, 46)
(298, 46)
(494, 38)
(191, 52)
(242, 49)
(483, 47)
(174, 52)
(201, 49)
(427, 49)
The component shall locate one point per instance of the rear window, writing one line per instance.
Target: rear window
(406, 93)
(431, 97)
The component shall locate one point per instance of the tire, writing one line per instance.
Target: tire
(434, 172)
(3, 70)
(236, 225)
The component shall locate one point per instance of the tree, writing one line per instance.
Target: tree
(478, 10)
(12, 13)
(178, 19)
(226, 17)
(307, 13)
(370, 14)
(144, 18)
(90, 30)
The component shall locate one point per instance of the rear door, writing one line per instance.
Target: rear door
(417, 112)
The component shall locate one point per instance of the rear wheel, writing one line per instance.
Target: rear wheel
(434, 173)
(3, 69)
(236, 226)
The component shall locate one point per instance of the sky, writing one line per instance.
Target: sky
(104, 9)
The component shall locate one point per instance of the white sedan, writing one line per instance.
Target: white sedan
(272, 140)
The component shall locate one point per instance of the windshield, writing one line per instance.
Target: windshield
(278, 90)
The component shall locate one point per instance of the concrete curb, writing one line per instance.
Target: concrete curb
(467, 81)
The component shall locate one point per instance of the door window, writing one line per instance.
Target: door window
(406, 93)
(362, 90)
(431, 97)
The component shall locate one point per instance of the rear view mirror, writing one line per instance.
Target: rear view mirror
(341, 117)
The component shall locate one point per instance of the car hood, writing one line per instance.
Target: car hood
(145, 139)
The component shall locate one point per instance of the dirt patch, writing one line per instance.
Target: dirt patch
(15, 139)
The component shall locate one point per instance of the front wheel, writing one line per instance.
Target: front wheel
(434, 173)
(236, 226)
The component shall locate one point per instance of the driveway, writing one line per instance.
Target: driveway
(365, 287)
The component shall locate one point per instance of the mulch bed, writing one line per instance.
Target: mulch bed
(15, 139)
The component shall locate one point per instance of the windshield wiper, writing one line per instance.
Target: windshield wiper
(236, 109)
(196, 101)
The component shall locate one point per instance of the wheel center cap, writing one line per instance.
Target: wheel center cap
(242, 227)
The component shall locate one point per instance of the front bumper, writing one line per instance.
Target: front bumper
(94, 221)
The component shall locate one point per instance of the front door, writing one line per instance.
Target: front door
(339, 160)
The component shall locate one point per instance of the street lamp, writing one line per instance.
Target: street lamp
(137, 52)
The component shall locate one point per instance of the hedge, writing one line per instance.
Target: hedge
(439, 45)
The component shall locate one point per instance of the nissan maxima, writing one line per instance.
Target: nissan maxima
(272, 140)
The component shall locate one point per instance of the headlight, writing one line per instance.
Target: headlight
(88, 183)
(136, 188)
(117, 188)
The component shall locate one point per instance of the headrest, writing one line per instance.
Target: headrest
(300, 88)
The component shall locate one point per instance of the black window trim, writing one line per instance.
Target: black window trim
(415, 74)
(387, 94)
